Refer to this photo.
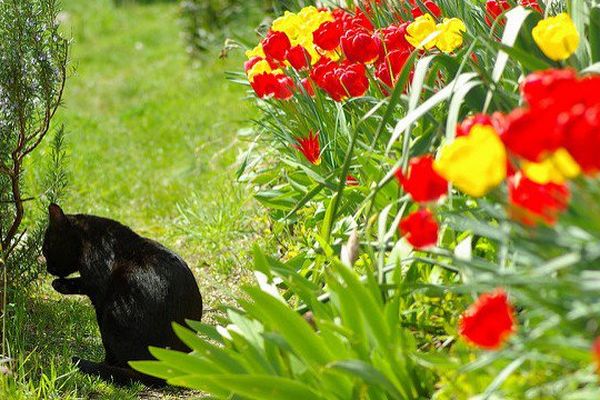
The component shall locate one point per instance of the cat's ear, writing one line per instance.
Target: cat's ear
(56, 215)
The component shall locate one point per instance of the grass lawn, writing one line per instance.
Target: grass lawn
(151, 141)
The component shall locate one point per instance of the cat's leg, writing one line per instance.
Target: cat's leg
(69, 286)
(117, 375)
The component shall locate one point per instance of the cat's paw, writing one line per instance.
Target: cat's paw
(68, 286)
(61, 285)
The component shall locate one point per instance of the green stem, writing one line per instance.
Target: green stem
(342, 184)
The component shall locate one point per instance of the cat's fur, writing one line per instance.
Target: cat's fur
(137, 287)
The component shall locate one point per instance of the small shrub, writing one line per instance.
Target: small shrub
(33, 71)
(32, 78)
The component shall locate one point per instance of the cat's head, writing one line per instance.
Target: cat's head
(62, 246)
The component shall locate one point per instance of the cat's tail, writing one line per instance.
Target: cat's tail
(117, 375)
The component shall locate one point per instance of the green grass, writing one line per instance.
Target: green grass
(152, 143)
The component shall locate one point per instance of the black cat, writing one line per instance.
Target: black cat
(137, 287)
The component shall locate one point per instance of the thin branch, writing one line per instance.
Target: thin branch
(51, 110)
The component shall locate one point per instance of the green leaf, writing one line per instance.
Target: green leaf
(578, 12)
(594, 35)
(515, 19)
(370, 309)
(260, 261)
(205, 330)
(277, 200)
(415, 94)
(296, 331)
(307, 197)
(396, 95)
(258, 387)
(503, 376)
(369, 374)
(593, 69)
(187, 363)
(328, 220)
(442, 95)
(229, 361)
(455, 105)
(156, 368)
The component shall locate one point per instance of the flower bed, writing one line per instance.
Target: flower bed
(438, 164)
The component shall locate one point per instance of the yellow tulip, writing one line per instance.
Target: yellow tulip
(419, 30)
(451, 34)
(313, 18)
(557, 37)
(256, 52)
(299, 27)
(302, 24)
(557, 168)
(476, 163)
(308, 12)
(289, 23)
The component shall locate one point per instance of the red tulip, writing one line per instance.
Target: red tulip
(532, 4)
(489, 322)
(308, 86)
(361, 21)
(331, 84)
(420, 229)
(283, 90)
(563, 111)
(322, 68)
(581, 136)
(389, 67)
(353, 77)
(351, 181)
(276, 45)
(344, 18)
(360, 46)
(328, 35)
(493, 9)
(393, 38)
(251, 62)
(542, 89)
(340, 81)
(430, 6)
(310, 147)
(531, 134)
(277, 85)
(298, 57)
(532, 202)
(569, 110)
(422, 182)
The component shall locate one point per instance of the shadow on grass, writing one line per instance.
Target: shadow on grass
(44, 330)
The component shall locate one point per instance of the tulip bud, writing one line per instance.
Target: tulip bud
(557, 37)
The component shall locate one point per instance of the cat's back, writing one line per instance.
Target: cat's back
(158, 271)
(144, 273)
